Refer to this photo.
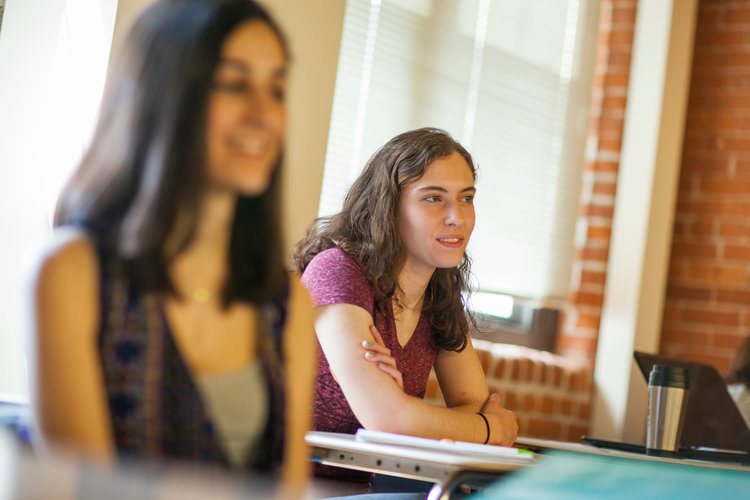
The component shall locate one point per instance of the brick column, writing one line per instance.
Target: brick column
(580, 323)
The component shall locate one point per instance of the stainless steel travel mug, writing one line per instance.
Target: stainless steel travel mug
(668, 389)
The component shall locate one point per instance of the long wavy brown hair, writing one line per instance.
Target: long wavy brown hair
(367, 228)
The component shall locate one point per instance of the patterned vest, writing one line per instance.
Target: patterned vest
(155, 408)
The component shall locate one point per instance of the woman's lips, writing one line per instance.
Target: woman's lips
(451, 241)
(249, 145)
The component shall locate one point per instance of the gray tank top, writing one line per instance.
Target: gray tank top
(238, 404)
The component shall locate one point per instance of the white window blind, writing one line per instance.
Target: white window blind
(510, 79)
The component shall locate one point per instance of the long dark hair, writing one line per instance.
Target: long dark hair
(145, 168)
(367, 228)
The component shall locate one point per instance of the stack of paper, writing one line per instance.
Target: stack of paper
(504, 453)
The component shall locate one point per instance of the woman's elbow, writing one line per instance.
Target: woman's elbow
(397, 418)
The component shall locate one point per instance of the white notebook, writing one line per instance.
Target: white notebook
(506, 453)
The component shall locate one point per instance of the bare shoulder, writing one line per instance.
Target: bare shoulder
(66, 276)
(70, 253)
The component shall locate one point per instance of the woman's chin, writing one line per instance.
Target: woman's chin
(254, 190)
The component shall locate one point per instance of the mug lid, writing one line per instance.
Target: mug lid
(669, 376)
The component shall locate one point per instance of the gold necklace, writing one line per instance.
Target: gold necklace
(201, 295)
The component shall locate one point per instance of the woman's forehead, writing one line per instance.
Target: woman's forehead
(452, 170)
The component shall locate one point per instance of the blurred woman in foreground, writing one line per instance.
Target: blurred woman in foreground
(165, 323)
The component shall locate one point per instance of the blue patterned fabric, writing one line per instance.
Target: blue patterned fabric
(155, 408)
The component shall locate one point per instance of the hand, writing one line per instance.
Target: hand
(378, 352)
(503, 423)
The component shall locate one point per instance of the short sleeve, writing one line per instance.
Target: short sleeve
(333, 277)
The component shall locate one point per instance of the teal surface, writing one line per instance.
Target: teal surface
(565, 475)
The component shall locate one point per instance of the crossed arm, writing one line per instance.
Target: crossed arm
(380, 404)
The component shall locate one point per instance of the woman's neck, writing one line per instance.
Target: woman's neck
(412, 285)
(215, 219)
(200, 270)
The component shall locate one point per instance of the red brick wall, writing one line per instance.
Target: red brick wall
(580, 324)
(707, 304)
(550, 394)
(707, 307)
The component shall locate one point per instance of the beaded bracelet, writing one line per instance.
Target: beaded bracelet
(487, 424)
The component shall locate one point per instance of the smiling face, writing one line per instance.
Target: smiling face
(436, 215)
(246, 115)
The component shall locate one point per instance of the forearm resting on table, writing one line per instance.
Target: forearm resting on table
(377, 400)
(404, 414)
(379, 404)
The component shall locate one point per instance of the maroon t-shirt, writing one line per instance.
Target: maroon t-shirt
(333, 277)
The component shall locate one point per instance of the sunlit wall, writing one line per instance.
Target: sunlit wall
(53, 58)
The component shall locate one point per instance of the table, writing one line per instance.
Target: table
(548, 472)
(547, 446)
(445, 470)
(571, 475)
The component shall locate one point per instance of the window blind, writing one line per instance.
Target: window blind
(510, 79)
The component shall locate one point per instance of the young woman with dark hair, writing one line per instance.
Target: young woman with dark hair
(165, 322)
(387, 274)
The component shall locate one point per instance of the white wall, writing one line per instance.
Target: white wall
(314, 31)
(643, 214)
(52, 59)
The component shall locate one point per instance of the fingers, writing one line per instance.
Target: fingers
(387, 364)
(381, 358)
(378, 346)
(493, 404)
(376, 335)
(371, 347)
(393, 372)
(379, 353)
(509, 428)
(503, 423)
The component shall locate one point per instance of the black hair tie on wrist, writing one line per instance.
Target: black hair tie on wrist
(487, 424)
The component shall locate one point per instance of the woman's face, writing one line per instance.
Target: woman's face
(246, 115)
(436, 215)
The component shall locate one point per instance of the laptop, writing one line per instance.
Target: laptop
(713, 428)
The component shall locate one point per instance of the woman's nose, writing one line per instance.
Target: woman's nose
(257, 107)
(453, 217)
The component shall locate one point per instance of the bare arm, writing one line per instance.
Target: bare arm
(374, 396)
(299, 350)
(464, 387)
(461, 379)
(68, 391)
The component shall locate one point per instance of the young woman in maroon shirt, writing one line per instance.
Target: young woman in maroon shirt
(386, 275)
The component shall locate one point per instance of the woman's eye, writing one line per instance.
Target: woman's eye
(469, 198)
(231, 87)
(278, 93)
(432, 199)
